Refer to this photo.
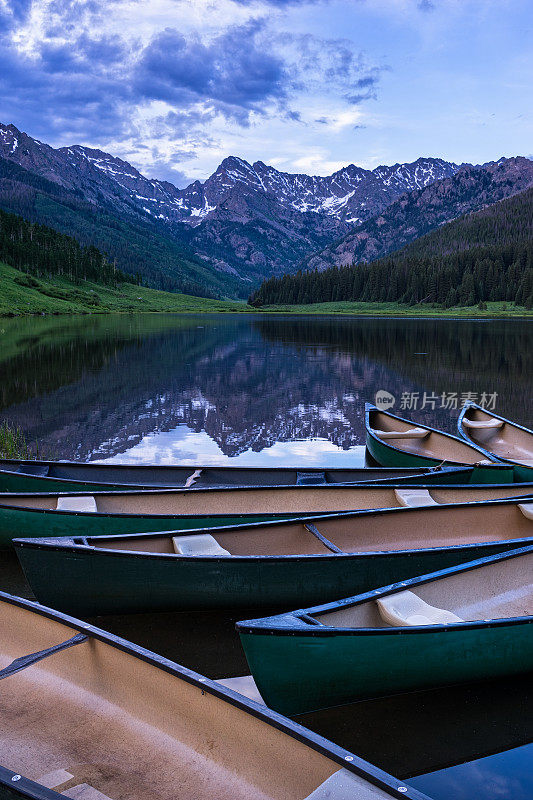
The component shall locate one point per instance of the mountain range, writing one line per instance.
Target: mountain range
(246, 222)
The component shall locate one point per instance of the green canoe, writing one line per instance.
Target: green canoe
(107, 513)
(467, 623)
(280, 564)
(86, 714)
(396, 442)
(65, 476)
(499, 438)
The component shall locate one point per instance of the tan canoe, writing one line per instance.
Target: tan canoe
(498, 438)
(99, 718)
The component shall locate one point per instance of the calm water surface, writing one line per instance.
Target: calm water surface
(264, 390)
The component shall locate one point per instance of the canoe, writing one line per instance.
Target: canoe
(499, 438)
(280, 564)
(467, 623)
(87, 715)
(107, 513)
(396, 442)
(64, 476)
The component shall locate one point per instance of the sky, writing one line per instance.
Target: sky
(175, 86)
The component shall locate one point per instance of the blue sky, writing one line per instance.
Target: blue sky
(174, 86)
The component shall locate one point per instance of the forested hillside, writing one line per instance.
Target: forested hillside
(136, 245)
(42, 251)
(484, 256)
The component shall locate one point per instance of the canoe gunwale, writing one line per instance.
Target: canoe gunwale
(344, 758)
(465, 436)
(270, 625)
(369, 407)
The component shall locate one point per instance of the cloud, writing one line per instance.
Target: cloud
(19, 9)
(84, 71)
(334, 66)
(63, 90)
(426, 5)
(279, 3)
(233, 72)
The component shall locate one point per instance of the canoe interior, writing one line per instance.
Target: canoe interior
(497, 589)
(290, 500)
(97, 716)
(435, 445)
(509, 442)
(409, 529)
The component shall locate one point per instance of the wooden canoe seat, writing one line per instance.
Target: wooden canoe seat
(411, 433)
(483, 425)
(406, 608)
(526, 509)
(84, 503)
(411, 498)
(198, 544)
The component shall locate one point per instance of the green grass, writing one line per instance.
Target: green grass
(499, 309)
(13, 443)
(63, 296)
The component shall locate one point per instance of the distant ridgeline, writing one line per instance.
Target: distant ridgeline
(487, 255)
(42, 251)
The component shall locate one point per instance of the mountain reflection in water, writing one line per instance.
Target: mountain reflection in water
(263, 389)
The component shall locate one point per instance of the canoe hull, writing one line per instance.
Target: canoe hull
(88, 582)
(319, 672)
(32, 523)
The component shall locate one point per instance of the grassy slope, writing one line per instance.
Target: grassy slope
(15, 299)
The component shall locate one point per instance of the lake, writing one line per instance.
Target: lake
(269, 390)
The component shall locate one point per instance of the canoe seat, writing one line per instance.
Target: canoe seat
(245, 685)
(83, 503)
(343, 785)
(65, 784)
(483, 425)
(39, 470)
(310, 478)
(198, 544)
(411, 433)
(84, 792)
(526, 509)
(406, 608)
(192, 478)
(411, 498)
